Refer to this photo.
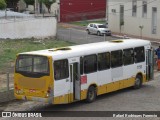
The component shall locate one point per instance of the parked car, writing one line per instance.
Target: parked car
(99, 29)
(10, 9)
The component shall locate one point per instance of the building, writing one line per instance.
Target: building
(138, 18)
(75, 10)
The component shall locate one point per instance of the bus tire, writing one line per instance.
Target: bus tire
(91, 94)
(138, 82)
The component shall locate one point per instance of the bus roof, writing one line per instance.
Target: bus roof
(91, 48)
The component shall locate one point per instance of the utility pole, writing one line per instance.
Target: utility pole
(36, 6)
(141, 28)
(6, 13)
(107, 10)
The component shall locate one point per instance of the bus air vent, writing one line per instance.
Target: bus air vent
(63, 49)
(116, 41)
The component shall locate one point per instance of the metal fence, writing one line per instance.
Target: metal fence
(6, 86)
(6, 82)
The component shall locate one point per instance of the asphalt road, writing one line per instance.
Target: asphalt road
(80, 36)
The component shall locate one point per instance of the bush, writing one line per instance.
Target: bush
(2, 4)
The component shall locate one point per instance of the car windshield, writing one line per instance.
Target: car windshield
(102, 26)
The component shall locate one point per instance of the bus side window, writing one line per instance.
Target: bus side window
(61, 70)
(90, 64)
(139, 54)
(103, 61)
(128, 56)
(81, 65)
(116, 58)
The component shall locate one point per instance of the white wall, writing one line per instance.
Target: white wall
(131, 24)
(37, 28)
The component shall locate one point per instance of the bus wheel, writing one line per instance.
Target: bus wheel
(138, 82)
(91, 94)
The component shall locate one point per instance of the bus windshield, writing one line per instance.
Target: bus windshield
(31, 64)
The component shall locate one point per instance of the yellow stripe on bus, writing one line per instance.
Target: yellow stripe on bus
(106, 88)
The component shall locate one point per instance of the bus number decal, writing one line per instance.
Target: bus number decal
(83, 79)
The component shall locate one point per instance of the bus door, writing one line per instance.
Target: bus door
(75, 86)
(61, 83)
(150, 64)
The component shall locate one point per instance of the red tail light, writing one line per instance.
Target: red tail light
(49, 90)
(16, 86)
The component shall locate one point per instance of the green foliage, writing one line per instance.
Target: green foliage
(9, 49)
(2, 4)
(48, 3)
(29, 2)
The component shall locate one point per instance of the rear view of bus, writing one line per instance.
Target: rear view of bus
(33, 79)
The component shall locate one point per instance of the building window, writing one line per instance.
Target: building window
(113, 11)
(139, 54)
(103, 61)
(144, 9)
(128, 56)
(121, 15)
(61, 70)
(134, 8)
(116, 58)
(90, 64)
(154, 20)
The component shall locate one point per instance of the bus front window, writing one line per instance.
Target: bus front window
(29, 65)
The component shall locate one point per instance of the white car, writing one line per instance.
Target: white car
(99, 29)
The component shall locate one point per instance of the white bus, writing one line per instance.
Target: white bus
(69, 74)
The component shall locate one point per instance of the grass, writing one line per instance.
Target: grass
(85, 23)
(9, 49)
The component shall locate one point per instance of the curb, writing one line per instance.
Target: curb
(125, 37)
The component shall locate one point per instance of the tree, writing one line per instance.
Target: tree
(2, 4)
(48, 3)
(29, 2)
